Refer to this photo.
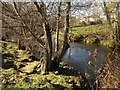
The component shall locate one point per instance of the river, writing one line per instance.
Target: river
(86, 58)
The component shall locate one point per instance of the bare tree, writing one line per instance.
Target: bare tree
(30, 23)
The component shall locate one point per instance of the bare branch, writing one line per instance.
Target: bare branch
(24, 23)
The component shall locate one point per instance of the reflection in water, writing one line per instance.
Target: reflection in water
(85, 58)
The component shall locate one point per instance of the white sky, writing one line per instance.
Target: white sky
(59, 0)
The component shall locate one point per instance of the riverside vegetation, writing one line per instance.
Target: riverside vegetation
(35, 38)
(20, 70)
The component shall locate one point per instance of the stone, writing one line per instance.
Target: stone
(29, 67)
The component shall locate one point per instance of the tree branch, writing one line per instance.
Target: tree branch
(24, 23)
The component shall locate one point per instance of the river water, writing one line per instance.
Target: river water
(86, 58)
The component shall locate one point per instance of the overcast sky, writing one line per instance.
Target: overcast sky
(58, 0)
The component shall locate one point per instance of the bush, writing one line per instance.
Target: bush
(83, 23)
(91, 39)
(95, 22)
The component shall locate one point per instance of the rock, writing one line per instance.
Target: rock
(22, 55)
(51, 73)
(29, 67)
(56, 72)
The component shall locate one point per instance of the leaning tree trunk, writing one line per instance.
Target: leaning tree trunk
(46, 62)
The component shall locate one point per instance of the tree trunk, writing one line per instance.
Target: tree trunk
(46, 27)
(67, 25)
(59, 54)
(57, 28)
(49, 42)
(42, 10)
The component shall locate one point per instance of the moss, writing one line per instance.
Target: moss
(58, 80)
(91, 40)
(39, 81)
(107, 43)
(29, 67)
(13, 79)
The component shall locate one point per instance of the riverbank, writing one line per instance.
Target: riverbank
(92, 34)
(19, 70)
(109, 75)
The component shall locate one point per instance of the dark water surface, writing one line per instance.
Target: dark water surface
(80, 56)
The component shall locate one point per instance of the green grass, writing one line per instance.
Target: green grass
(91, 29)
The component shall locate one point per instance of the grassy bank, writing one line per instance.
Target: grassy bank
(99, 33)
(91, 29)
(19, 71)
